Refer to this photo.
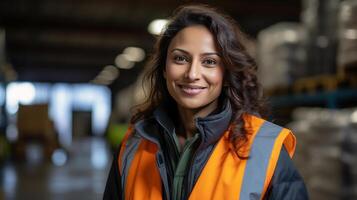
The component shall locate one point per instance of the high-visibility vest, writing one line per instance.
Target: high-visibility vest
(224, 176)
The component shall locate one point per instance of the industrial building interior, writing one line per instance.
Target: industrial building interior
(71, 70)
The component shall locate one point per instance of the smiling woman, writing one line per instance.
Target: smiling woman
(194, 74)
(200, 133)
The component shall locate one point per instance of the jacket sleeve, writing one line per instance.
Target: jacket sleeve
(287, 184)
(113, 189)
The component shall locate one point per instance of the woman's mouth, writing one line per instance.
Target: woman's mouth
(191, 89)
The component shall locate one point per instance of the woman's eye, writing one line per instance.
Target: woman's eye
(180, 59)
(210, 62)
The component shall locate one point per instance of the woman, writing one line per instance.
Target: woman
(199, 135)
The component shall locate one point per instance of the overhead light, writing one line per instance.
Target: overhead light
(107, 75)
(122, 61)
(291, 35)
(351, 34)
(354, 117)
(110, 72)
(134, 54)
(157, 26)
(101, 81)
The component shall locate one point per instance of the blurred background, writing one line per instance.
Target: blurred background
(71, 70)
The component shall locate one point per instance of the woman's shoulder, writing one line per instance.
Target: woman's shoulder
(254, 123)
(287, 182)
(285, 170)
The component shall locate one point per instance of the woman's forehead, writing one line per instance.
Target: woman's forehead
(194, 38)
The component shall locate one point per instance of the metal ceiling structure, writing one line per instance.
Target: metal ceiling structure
(71, 41)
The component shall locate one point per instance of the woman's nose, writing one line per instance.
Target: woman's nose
(193, 72)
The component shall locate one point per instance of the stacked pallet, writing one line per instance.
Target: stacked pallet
(321, 155)
(347, 37)
(319, 18)
(350, 157)
(280, 55)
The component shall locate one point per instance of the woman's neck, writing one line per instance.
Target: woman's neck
(187, 127)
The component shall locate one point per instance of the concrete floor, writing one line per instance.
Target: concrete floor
(83, 176)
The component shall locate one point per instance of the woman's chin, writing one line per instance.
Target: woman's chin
(197, 106)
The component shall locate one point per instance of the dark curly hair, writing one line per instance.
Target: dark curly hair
(241, 85)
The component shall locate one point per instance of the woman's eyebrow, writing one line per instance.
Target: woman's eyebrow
(177, 49)
(211, 53)
(203, 54)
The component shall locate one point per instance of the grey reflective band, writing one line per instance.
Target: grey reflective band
(257, 164)
(131, 147)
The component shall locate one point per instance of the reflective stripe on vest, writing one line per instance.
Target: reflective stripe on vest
(262, 155)
(224, 176)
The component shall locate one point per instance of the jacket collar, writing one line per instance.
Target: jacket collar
(210, 128)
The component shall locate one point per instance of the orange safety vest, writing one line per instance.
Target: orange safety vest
(224, 176)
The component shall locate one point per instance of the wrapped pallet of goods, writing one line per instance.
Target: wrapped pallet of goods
(347, 37)
(321, 135)
(319, 17)
(280, 55)
(350, 157)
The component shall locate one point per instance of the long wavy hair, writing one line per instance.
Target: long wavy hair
(241, 86)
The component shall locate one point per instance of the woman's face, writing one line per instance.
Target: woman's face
(194, 70)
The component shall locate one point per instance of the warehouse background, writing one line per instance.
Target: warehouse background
(71, 70)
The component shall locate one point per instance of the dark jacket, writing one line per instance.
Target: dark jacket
(286, 182)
